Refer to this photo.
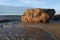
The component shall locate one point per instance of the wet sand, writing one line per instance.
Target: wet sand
(53, 27)
(24, 33)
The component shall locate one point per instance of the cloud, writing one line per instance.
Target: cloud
(29, 3)
(33, 1)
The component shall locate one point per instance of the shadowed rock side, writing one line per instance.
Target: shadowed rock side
(24, 33)
(37, 15)
(56, 17)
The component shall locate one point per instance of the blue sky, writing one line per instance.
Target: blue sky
(33, 3)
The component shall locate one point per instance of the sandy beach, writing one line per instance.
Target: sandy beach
(47, 31)
(54, 28)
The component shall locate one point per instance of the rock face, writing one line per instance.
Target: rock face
(37, 15)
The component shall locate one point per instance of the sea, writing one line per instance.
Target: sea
(10, 19)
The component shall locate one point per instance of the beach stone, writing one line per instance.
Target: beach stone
(37, 15)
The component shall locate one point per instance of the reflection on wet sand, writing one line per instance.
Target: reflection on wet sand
(24, 33)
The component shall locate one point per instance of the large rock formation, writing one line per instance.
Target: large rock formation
(37, 15)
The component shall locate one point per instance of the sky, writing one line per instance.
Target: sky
(33, 3)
